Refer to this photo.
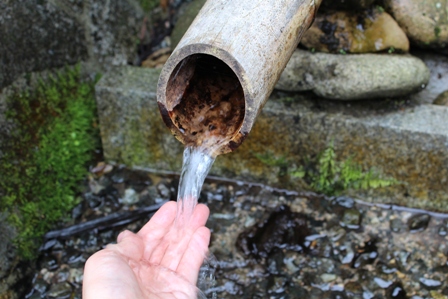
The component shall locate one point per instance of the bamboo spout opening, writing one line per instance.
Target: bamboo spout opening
(205, 101)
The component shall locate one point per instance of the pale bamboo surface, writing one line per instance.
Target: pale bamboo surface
(255, 38)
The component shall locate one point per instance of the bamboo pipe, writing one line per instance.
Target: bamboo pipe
(225, 67)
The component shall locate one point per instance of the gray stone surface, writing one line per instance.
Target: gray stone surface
(408, 142)
(353, 77)
(36, 36)
(39, 35)
(132, 131)
(8, 277)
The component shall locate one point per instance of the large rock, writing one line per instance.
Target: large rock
(353, 77)
(425, 22)
(409, 144)
(360, 32)
(39, 35)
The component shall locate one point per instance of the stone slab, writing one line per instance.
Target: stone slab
(401, 139)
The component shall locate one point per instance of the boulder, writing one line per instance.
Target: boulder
(425, 22)
(404, 142)
(40, 35)
(353, 77)
(355, 32)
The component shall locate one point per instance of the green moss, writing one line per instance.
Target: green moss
(327, 175)
(437, 31)
(331, 177)
(41, 166)
(149, 5)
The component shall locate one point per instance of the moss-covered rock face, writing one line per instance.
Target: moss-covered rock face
(51, 139)
(407, 144)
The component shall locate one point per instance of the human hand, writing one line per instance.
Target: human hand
(161, 261)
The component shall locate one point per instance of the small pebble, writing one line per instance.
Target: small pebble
(130, 197)
(418, 223)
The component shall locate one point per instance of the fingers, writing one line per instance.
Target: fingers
(194, 255)
(169, 250)
(162, 219)
(105, 272)
(200, 215)
(157, 228)
(128, 245)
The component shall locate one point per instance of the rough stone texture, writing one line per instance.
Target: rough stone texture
(130, 121)
(11, 271)
(39, 35)
(36, 36)
(354, 77)
(408, 143)
(361, 32)
(187, 13)
(425, 22)
(6, 248)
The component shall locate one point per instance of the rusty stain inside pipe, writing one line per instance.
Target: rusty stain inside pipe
(205, 101)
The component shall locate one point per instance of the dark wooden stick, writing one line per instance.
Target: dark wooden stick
(107, 222)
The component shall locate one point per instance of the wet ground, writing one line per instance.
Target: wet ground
(268, 243)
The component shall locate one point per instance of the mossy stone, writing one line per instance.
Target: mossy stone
(187, 13)
(406, 144)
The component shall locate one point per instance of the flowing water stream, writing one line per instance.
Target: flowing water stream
(195, 167)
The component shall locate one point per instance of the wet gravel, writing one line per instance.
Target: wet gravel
(267, 243)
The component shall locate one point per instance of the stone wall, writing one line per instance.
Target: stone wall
(40, 35)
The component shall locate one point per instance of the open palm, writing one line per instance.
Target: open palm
(161, 261)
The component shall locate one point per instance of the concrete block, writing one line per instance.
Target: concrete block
(405, 141)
